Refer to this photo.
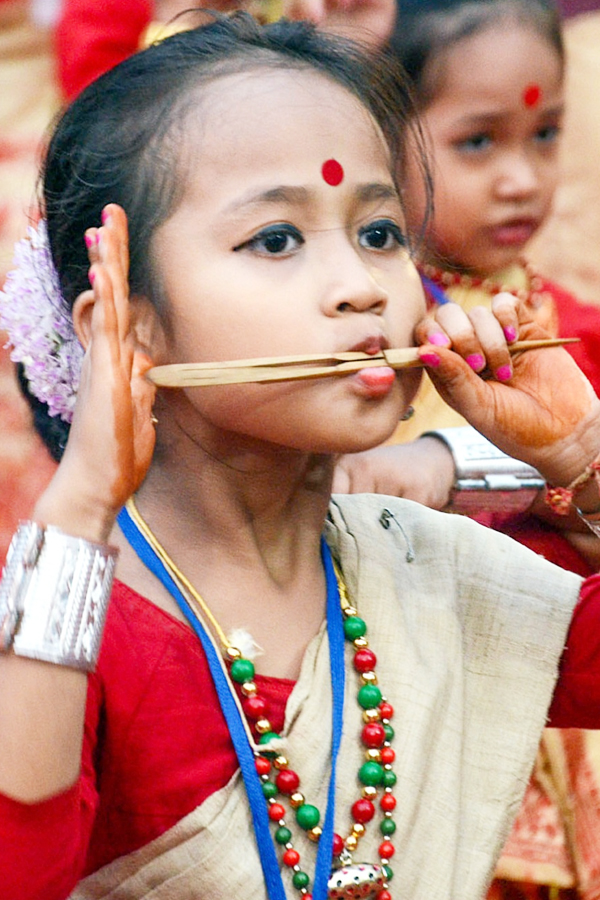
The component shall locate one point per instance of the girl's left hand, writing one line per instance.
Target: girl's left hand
(537, 406)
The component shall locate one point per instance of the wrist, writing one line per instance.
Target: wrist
(74, 513)
(485, 478)
(54, 595)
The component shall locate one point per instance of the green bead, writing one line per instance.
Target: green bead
(354, 627)
(389, 873)
(283, 835)
(389, 732)
(369, 696)
(242, 670)
(264, 739)
(370, 773)
(300, 880)
(387, 827)
(269, 789)
(307, 816)
(389, 778)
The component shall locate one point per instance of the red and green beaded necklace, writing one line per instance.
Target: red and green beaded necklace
(279, 782)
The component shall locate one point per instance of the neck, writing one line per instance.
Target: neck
(244, 526)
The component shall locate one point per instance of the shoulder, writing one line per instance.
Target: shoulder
(449, 559)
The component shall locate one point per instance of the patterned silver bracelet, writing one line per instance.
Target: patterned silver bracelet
(54, 596)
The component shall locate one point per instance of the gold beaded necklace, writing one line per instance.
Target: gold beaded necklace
(348, 880)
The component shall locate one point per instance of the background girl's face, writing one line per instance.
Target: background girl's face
(270, 254)
(493, 126)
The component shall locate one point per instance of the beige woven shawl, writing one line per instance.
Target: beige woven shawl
(467, 638)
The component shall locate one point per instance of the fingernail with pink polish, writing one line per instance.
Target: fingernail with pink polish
(503, 373)
(439, 339)
(89, 241)
(430, 359)
(105, 217)
(510, 333)
(91, 276)
(476, 361)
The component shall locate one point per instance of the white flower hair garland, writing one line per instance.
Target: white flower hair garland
(39, 326)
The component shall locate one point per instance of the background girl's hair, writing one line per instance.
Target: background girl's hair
(122, 139)
(426, 28)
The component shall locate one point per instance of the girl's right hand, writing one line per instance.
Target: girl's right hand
(112, 436)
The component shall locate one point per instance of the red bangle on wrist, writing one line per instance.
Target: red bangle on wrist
(560, 499)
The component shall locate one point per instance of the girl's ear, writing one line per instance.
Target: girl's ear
(145, 325)
(82, 317)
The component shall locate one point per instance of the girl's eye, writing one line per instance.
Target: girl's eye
(475, 143)
(381, 235)
(548, 134)
(274, 240)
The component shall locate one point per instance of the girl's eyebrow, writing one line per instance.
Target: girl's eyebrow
(300, 196)
(479, 120)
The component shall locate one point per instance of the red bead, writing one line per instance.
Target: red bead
(364, 660)
(338, 844)
(386, 710)
(388, 755)
(386, 850)
(276, 812)
(363, 811)
(388, 802)
(287, 781)
(291, 858)
(373, 734)
(263, 766)
(384, 895)
(255, 707)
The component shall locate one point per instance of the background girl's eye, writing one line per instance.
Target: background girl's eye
(547, 134)
(475, 143)
(275, 240)
(381, 235)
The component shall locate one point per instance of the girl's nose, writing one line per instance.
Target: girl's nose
(518, 178)
(353, 285)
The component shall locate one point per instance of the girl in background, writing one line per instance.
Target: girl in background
(488, 78)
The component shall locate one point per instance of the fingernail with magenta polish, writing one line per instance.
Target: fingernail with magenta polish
(430, 359)
(503, 373)
(91, 276)
(439, 339)
(476, 361)
(510, 333)
(89, 241)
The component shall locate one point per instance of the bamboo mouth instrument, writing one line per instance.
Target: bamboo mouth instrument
(297, 368)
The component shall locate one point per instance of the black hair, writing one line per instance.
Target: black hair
(119, 140)
(424, 29)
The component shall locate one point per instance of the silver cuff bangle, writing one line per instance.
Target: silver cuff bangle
(487, 480)
(54, 596)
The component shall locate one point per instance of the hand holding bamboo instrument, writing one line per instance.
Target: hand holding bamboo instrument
(295, 368)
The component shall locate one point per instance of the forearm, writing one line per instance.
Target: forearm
(42, 708)
(53, 600)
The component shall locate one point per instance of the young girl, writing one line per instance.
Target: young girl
(259, 171)
(493, 129)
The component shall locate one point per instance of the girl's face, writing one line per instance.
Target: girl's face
(493, 125)
(269, 255)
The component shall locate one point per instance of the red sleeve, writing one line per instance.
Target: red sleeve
(92, 37)
(576, 701)
(43, 846)
(581, 320)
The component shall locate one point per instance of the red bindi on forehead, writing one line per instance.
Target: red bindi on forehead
(332, 172)
(532, 95)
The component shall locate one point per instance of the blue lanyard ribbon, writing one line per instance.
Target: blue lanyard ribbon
(437, 294)
(235, 724)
